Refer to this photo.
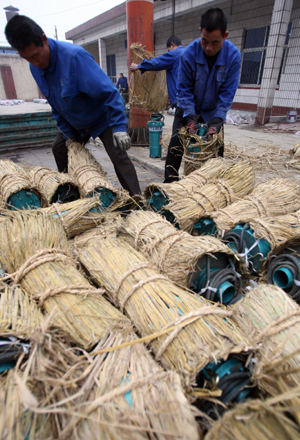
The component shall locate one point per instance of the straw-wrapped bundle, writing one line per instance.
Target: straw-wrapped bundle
(155, 304)
(120, 393)
(148, 91)
(54, 186)
(19, 316)
(256, 419)
(181, 256)
(14, 181)
(35, 251)
(78, 216)
(235, 182)
(17, 404)
(273, 318)
(88, 173)
(270, 199)
(210, 170)
(197, 150)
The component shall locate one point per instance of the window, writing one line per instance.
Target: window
(111, 67)
(253, 55)
(285, 52)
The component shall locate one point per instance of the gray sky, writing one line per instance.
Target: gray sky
(64, 14)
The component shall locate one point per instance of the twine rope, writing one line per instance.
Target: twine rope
(41, 257)
(227, 191)
(133, 269)
(75, 289)
(158, 240)
(181, 322)
(259, 205)
(140, 230)
(139, 285)
(88, 169)
(169, 246)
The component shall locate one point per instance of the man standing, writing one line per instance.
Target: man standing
(169, 62)
(122, 82)
(83, 99)
(208, 77)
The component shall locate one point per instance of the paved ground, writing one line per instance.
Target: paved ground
(249, 140)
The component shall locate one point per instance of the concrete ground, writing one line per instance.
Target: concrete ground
(243, 141)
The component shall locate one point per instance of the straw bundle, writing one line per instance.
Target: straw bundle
(276, 229)
(78, 216)
(273, 318)
(235, 182)
(12, 180)
(18, 314)
(52, 184)
(35, 251)
(84, 169)
(115, 394)
(155, 304)
(148, 91)
(17, 404)
(210, 169)
(254, 420)
(270, 199)
(175, 253)
(208, 149)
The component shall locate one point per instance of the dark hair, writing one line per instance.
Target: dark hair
(21, 32)
(214, 19)
(121, 74)
(175, 40)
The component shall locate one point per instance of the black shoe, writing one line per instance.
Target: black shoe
(163, 158)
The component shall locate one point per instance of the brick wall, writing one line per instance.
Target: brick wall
(25, 85)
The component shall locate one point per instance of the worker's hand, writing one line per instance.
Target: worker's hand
(121, 140)
(211, 131)
(133, 67)
(191, 122)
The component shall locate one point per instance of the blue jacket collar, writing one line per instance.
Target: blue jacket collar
(221, 60)
(53, 54)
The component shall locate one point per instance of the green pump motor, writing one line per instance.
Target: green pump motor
(155, 125)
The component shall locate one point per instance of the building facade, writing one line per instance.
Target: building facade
(266, 32)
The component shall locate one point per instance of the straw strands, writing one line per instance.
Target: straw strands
(118, 394)
(273, 318)
(13, 179)
(155, 304)
(49, 181)
(187, 185)
(19, 316)
(35, 252)
(17, 402)
(148, 91)
(174, 253)
(84, 169)
(208, 149)
(257, 419)
(235, 182)
(270, 199)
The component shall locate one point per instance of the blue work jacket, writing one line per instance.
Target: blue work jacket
(169, 62)
(81, 95)
(208, 94)
(123, 82)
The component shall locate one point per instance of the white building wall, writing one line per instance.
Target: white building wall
(26, 87)
(116, 45)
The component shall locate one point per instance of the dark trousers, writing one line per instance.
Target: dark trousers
(175, 149)
(123, 166)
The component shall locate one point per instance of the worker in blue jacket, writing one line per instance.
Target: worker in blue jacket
(122, 83)
(208, 77)
(83, 99)
(169, 62)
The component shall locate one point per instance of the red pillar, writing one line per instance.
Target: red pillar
(139, 30)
